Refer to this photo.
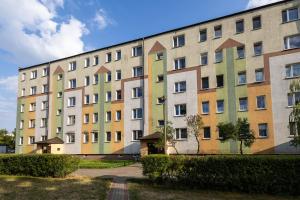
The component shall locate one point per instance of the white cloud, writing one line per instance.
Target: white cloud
(9, 83)
(257, 3)
(102, 20)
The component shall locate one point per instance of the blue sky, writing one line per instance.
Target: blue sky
(52, 29)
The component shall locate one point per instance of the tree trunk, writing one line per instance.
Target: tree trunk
(198, 142)
(175, 149)
(241, 147)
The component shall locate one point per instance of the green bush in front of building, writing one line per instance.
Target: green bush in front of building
(254, 174)
(38, 165)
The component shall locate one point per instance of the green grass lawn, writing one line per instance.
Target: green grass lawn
(140, 190)
(16, 187)
(101, 164)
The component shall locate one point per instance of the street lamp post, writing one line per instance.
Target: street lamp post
(165, 124)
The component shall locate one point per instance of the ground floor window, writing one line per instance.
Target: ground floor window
(94, 137)
(263, 130)
(118, 136)
(108, 137)
(137, 134)
(206, 134)
(85, 137)
(70, 138)
(180, 133)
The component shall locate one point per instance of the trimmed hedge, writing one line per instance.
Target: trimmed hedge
(263, 174)
(38, 165)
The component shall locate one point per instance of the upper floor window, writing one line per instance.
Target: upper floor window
(263, 130)
(179, 63)
(203, 35)
(95, 98)
(118, 75)
(218, 31)
(206, 133)
(108, 137)
(94, 137)
(87, 62)
(108, 57)
(70, 138)
(178, 41)
(137, 134)
(22, 108)
(72, 83)
(31, 123)
(137, 71)
(118, 55)
(180, 110)
(180, 87)
(293, 98)
(205, 83)
(204, 58)
(118, 95)
(71, 120)
(239, 26)
(292, 42)
(108, 116)
(290, 15)
(256, 22)
(108, 77)
(72, 66)
(33, 90)
(243, 104)
(96, 60)
(59, 77)
(118, 136)
(118, 115)
(86, 99)
(258, 48)
(219, 56)
(242, 78)
(241, 52)
(45, 105)
(181, 134)
(33, 74)
(86, 81)
(45, 88)
(44, 122)
(86, 118)
(220, 80)
(137, 92)
(259, 75)
(261, 102)
(137, 113)
(292, 70)
(23, 92)
(21, 124)
(95, 118)
(96, 79)
(159, 56)
(85, 138)
(31, 139)
(32, 107)
(108, 96)
(71, 101)
(137, 51)
(220, 106)
(45, 71)
(21, 141)
(205, 107)
(23, 76)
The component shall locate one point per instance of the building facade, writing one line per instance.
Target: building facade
(103, 101)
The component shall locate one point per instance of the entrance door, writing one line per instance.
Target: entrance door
(152, 149)
(47, 149)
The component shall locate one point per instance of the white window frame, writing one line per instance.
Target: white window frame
(137, 134)
(118, 117)
(118, 72)
(72, 66)
(95, 98)
(108, 96)
(116, 55)
(264, 99)
(116, 136)
(180, 134)
(72, 83)
(71, 101)
(178, 107)
(85, 138)
(176, 41)
(108, 57)
(71, 120)
(86, 99)
(95, 118)
(108, 116)
(94, 138)
(86, 118)
(134, 51)
(33, 74)
(87, 81)
(178, 87)
(87, 62)
(135, 71)
(177, 61)
(135, 92)
(241, 108)
(70, 138)
(31, 140)
(136, 112)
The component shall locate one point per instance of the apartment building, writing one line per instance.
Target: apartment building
(104, 101)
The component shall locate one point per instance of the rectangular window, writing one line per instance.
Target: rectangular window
(71, 101)
(218, 31)
(178, 41)
(58, 130)
(259, 75)
(23, 92)
(71, 120)
(261, 102)
(45, 105)
(118, 55)
(44, 138)
(137, 92)
(23, 77)
(292, 70)
(293, 128)
(118, 115)
(108, 96)
(220, 80)
(242, 78)
(22, 108)
(239, 26)
(160, 78)
(118, 75)
(205, 83)
(94, 137)
(86, 99)
(33, 90)
(108, 57)
(87, 62)
(70, 138)
(256, 22)
(31, 139)
(108, 116)
(205, 107)
(291, 14)
(159, 56)
(293, 98)
(96, 79)
(220, 106)
(33, 74)
(87, 81)
(218, 56)
(206, 133)
(181, 134)
(263, 130)
(45, 88)
(31, 123)
(137, 134)
(137, 113)
(160, 123)
(108, 77)
(137, 51)
(241, 52)
(95, 118)
(243, 104)
(85, 138)
(160, 100)
(96, 60)
(32, 107)
(44, 122)
(180, 110)
(118, 136)
(137, 71)
(204, 58)
(72, 83)
(21, 141)
(108, 137)
(21, 124)
(58, 112)
(258, 48)
(72, 66)
(203, 35)
(292, 42)
(86, 118)
(179, 63)
(180, 87)
(118, 95)
(45, 71)
(59, 94)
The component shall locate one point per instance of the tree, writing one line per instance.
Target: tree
(294, 117)
(195, 124)
(170, 136)
(7, 139)
(226, 130)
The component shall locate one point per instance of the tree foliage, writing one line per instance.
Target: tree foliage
(294, 117)
(7, 139)
(170, 132)
(195, 125)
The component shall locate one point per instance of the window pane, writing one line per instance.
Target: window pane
(296, 69)
(256, 22)
(293, 14)
(294, 42)
(240, 26)
(259, 75)
(290, 100)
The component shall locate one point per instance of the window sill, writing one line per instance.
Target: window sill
(135, 140)
(136, 119)
(242, 110)
(258, 82)
(241, 84)
(70, 124)
(293, 77)
(256, 29)
(290, 21)
(220, 112)
(179, 92)
(177, 47)
(262, 137)
(70, 142)
(202, 65)
(117, 79)
(107, 142)
(136, 97)
(217, 37)
(290, 49)
(117, 120)
(257, 55)
(238, 33)
(95, 142)
(179, 116)
(219, 87)
(241, 58)
(218, 62)
(204, 113)
(181, 140)
(206, 138)
(118, 141)
(260, 109)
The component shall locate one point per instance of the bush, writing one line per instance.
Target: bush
(263, 174)
(38, 165)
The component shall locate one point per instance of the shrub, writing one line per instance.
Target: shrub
(263, 174)
(38, 165)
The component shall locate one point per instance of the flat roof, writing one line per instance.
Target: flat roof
(161, 33)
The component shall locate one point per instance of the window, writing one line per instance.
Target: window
(118, 136)
(292, 42)
(58, 112)
(45, 88)
(220, 80)
(96, 79)
(33, 90)
(70, 138)
(204, 58)
(293, 98)
(45, 105)
(292, 70)
(31, 123)
(21, 124)
(94, 137)
(71, 101)
(159, 56)
(259, 75)
(118, 75)
(243, 104)
(118, 55)
(71, 120)
(108, 96)
(59, 77)
(86, 99)
(44, 122)
(218, 31)
(108, 137)
(257, 48)
(31, 139)
(137, 134)
(205, 107)
(137, 113)
(95, 98)
(58, 130)
(118, 95)
(22, 108)
(137, 51)
(95, 118)
(44, 138)
(241, 52)
(137, 92)
(85, 138)
(108, 116)
(263, 130)
(72, 83)
(45, 71)
(218, 56)
(137, 71)
(256, 22)
(108, 57)
(203, 35)
(220, 106)
(59, 94)
(239, 26)
(108, 77)
(23, 92)
(160, 100)
(290, 15)
(72, 66)
(23, 77)
(180, 110)
(118, 115)
(87, 62)
(206, 133)
(21, 141)
(32, 107)
(87, 81)
(33, 74)
(181, 134)
(205, 83)
(160, 123)
(242, 79)
(179, 63)
(261, 102)
(178, 41)
(180, 86)
(86, 118)
(160, 78)
(96, 60)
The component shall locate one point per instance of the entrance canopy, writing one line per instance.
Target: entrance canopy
(55, 140)
(153, 136)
